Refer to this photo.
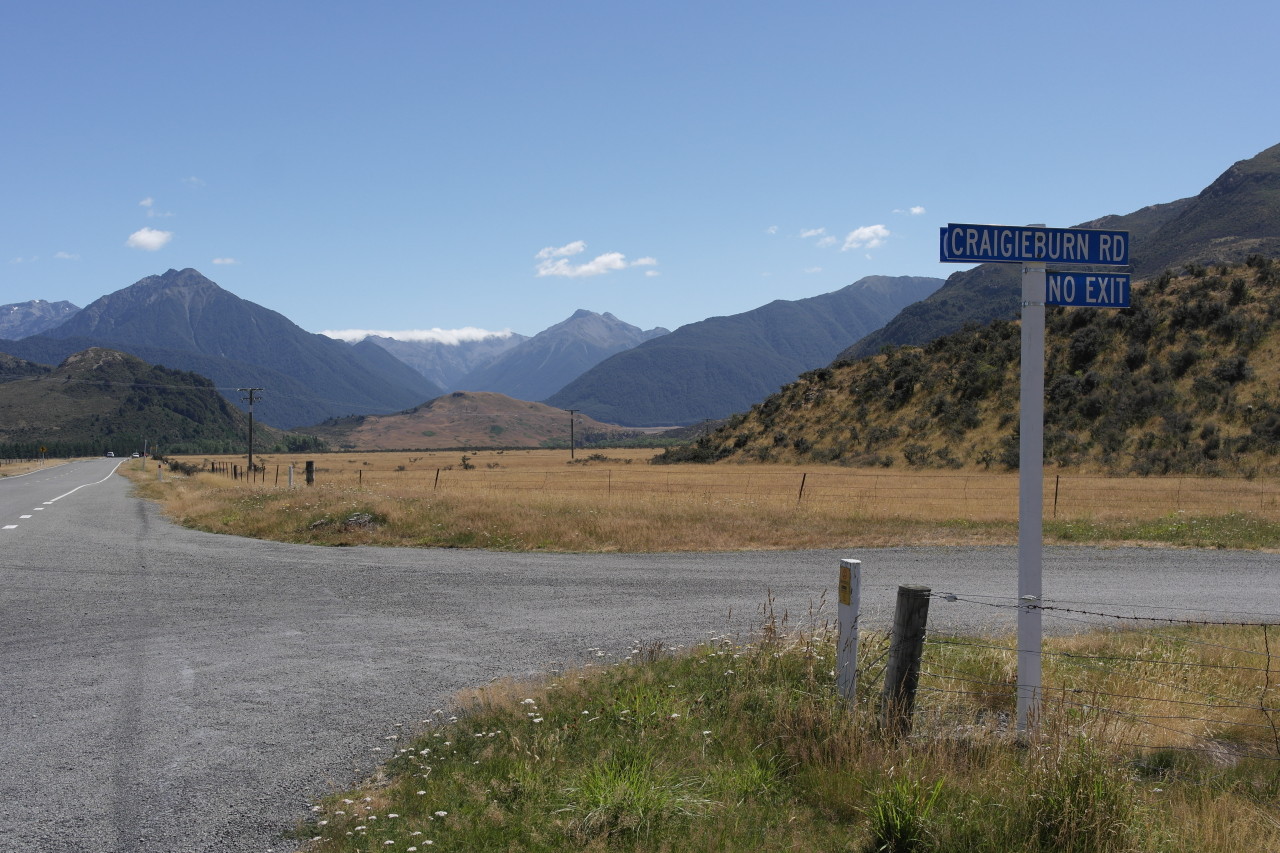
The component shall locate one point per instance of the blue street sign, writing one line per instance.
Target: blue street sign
(1013, 244)
(1087, 290)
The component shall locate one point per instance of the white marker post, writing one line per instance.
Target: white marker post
(1030, 493)
(850, 597)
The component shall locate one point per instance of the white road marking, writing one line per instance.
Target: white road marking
(10, 527)
(78, 488)
(24, 516)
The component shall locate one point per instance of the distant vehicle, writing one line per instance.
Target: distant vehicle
(135, 455)
(110, 453)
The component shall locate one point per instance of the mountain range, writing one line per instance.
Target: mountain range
(448, 363)
(1235, 216)
(21, 319)
(537, 368)
(722, 365)
(519, 366)
(608, 369)
(185, 321)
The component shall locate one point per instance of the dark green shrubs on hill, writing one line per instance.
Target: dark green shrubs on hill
(1183, 381)
(101, 400)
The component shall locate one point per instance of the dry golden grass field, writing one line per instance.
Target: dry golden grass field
(14, 467)
(615, 501)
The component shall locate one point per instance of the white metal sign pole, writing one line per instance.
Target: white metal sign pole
(1030, 493)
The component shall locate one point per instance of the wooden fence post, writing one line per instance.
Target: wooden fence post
(902, 674)
(311, 472)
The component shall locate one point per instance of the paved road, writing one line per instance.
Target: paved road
(166, 690)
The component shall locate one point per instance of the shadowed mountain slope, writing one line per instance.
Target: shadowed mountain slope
(715, 367)
(538, 367)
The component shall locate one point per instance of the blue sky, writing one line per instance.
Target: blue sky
(394, 165)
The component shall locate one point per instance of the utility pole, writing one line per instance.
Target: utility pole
(250, 400)
(571, 414)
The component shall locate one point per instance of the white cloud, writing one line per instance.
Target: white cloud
(147, 202)
(812, 270)
(554, 261)
(577, 247)
(225, 261)
(66, 256)
(911, 211)
(193, 181)
(451, 337)
(824, 240)
(148, 239)
(772, 229)
(866, 237)
(601, 264)
(651, 273)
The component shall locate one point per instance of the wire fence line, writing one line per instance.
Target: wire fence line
(1183, 688)
(975, 495)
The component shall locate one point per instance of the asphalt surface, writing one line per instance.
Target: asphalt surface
(168, 690)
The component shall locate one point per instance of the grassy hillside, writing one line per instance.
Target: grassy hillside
(1183, 381)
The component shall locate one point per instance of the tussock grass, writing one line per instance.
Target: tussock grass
(536, 500)
(735, 745)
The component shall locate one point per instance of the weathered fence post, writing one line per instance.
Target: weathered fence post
(847, 628)
(902, 674)
(291, 475)
(311, 472)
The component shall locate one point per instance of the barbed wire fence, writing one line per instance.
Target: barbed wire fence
(1154, 684)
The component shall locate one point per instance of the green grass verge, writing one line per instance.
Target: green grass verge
(1232, 530)
(729, 747)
